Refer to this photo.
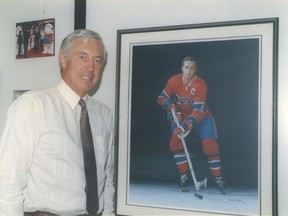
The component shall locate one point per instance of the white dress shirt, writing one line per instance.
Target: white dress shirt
(41, 159)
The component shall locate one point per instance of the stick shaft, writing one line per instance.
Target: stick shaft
(196, 183)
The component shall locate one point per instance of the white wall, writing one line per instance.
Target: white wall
(34, 72)
(106, 16)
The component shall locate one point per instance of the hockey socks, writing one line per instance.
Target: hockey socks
(181, 162)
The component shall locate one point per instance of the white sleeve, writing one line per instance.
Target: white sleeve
(109, 189)
(17, 144)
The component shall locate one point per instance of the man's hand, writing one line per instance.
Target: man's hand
(183, 129)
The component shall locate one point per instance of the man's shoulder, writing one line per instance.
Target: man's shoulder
(36, 94)
(99, 110)
(175, 78)
(97, 105)
(40, 94)
(30, 101)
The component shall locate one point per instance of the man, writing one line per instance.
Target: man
(41, 156)
(185, 95)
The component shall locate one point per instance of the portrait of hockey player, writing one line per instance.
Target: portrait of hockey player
(194, 140)
(35, 39)
(230, 70)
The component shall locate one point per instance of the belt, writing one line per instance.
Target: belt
(39, 213)
(43, 213)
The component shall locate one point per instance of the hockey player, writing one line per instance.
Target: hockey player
(185, 93)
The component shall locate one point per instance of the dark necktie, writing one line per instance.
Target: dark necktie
(92, 203)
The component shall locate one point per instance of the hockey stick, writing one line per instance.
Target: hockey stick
(196, 183)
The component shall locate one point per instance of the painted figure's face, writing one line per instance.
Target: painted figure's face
(189, 69)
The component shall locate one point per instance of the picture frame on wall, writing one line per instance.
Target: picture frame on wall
(17, 94)
(35, 39)
(238, 61)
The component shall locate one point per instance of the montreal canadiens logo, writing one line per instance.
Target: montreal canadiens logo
(193, 91)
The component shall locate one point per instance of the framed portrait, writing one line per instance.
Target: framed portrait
(35, 39)
(238, 62)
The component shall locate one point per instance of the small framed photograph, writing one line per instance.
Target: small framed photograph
(35, 39)
(17, 94)
(238, 62)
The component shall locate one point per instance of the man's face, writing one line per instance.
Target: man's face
(189, 69)
(82, 70)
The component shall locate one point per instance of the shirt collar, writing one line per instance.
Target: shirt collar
(70, 96)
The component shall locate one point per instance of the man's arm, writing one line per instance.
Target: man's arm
(109, 189)
(16, 150)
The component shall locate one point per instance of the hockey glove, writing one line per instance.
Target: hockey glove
(168, 104)
(185, 127)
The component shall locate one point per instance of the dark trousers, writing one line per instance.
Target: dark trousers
(42, 213)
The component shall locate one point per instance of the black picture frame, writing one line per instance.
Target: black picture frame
(35, 39)
(238, 60)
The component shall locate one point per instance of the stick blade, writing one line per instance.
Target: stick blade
(200, 184)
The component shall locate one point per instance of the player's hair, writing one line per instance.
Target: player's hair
(190, 58)
(67, 42)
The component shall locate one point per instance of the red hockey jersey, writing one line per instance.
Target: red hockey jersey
(190, 99)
